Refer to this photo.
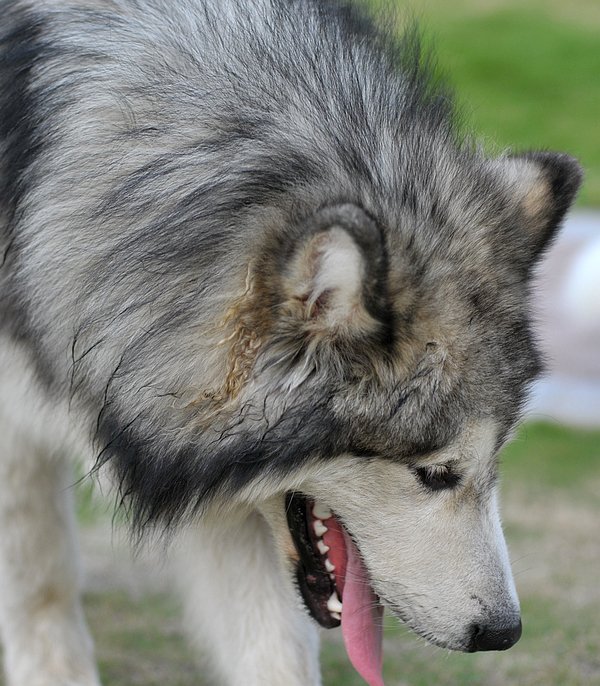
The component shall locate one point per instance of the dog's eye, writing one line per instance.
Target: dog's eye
(438, 477)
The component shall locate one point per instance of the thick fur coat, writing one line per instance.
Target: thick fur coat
(250, 265)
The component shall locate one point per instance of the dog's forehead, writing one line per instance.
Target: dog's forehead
(468, 351)
(438, 395)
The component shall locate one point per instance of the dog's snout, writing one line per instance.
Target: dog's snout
(499, 635)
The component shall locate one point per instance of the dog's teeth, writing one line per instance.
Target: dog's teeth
(333, 604)
(328, 566)
(322, 547)
(321, 511)
(336, 615)
(319, 527)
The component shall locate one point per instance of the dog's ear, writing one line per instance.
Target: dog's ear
(335, 277)
(545, 185)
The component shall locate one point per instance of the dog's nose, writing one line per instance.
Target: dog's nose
(496, 636)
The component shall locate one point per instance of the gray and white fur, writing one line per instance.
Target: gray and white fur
(248, 256)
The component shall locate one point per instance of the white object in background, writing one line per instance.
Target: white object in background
(582, 287)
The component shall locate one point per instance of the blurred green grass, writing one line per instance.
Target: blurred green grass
(140, 641)
(526, 73)
(549, 457)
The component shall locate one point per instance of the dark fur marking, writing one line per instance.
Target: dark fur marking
(167, 488)
(22, 48)
(565, 177)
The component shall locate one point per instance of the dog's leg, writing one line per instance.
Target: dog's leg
(242, 610)
(46, 641)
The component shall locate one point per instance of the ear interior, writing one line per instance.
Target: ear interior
(326, 278)
(546, 184)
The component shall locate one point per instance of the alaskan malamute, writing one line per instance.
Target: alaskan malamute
(250, 261)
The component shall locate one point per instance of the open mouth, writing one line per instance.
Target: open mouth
(334, 583)
(315, 572)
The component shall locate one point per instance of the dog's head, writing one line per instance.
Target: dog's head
(394, 366)
(368, 373)
(421, 536)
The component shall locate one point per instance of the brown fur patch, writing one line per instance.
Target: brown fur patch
(247, 334)
(537, 200)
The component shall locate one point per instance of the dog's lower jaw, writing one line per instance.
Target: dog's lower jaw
(331, 568)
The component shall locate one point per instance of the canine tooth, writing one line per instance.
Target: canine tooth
(322, 547)
(321, 511)
(328, 566)
(334, 604)
(319, 527)
(336, 615)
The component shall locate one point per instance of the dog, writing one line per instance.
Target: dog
(254, 269)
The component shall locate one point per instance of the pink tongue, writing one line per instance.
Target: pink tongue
(362, 614)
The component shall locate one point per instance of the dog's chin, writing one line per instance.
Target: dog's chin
(460, 644)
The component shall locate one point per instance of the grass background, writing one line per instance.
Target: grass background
(528, 73)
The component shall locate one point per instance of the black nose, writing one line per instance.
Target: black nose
(496, 636)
